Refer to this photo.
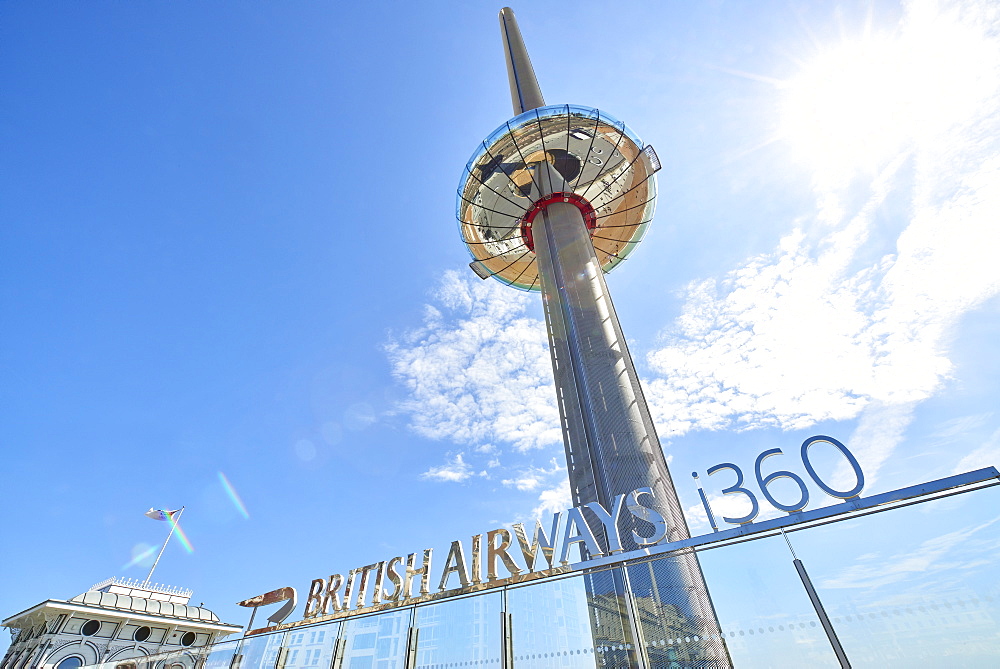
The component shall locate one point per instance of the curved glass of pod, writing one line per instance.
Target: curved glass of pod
(598, 157)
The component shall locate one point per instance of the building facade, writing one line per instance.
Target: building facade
(118, 621)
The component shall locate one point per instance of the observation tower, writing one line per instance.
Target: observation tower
(551, 201)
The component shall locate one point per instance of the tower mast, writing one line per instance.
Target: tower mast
(524, 91)
(534, 201)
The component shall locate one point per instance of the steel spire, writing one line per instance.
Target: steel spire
(524, 91)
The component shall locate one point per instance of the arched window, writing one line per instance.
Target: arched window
(71, 662)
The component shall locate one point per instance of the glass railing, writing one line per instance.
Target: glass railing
(917, 586)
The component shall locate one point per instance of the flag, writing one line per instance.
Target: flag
(161, 514)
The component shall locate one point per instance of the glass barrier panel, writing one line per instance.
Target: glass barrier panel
(765, 614)
(377, 642)
(309, 647)
(673, 632)
(462, 632)
(914, 586)
(571, 622)
(180, 659)
(132, 658)
(220, 656)
(260, 651)
(198, 656)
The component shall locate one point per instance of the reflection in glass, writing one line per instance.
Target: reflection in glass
(376, 642)
(918, 586)
(670, 633)
(551, 624)
(915, 587)
(261, 651)
(174, 660)
(461, 632)
(311, 646)
(221, 655)
(609, 619)
(764, 612)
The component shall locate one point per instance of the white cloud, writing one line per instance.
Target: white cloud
(554, 499)
(941, 554)
(454, 471)
(532, 478)
(987, 455)
(523, 482)
(478, 370)
(959, 428)
(880, 429)
(816, 330)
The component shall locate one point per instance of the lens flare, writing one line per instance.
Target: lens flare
(233, 496)
(181, 536)
(858, 104)
(140, 553)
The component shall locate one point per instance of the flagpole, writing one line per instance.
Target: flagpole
(173, 526)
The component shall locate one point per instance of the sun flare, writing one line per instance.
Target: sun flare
(857, 105)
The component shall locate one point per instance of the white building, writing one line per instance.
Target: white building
(116, 620)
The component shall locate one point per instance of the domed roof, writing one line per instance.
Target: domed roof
(115, 601)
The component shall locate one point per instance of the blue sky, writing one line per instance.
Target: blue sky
(228, 245)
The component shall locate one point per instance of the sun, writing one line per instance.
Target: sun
(862, 102)
(849, 107)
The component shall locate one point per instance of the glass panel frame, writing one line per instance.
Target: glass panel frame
(464, 631)
(377, 641)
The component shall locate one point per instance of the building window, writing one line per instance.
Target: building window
(90, 628)
(188, 638)
(71, 662)
(141, 634)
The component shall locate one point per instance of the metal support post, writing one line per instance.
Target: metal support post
(410, 662)
(635, 622)
(831, 634)
(824, 620)
(506, 640)
(338, 653)
(282, 658)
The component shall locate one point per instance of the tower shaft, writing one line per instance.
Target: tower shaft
(608, 433)
(611, 443)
